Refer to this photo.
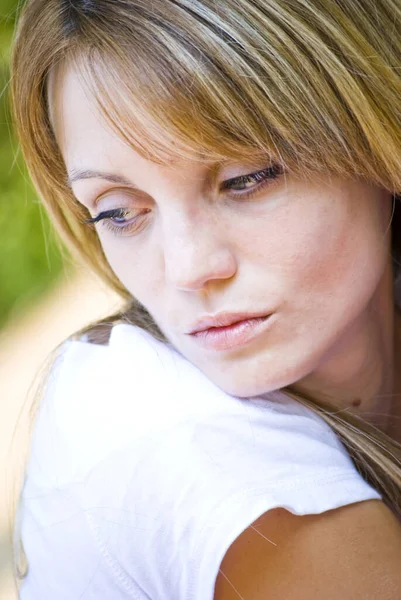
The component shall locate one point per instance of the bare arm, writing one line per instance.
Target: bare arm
(350, 553)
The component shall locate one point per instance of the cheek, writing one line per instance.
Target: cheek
(320, 261)
(331, 268)
(137, 269)
(324, 257)
(306, 250)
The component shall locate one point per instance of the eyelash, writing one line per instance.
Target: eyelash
(262, 177)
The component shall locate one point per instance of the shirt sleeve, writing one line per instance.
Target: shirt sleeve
(66, 560)
(194, 489)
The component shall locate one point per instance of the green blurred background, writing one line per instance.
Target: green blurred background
(43, 300)
(30, 260)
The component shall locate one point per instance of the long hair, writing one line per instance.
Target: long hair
(313, 84)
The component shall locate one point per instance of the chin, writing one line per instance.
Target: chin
(244, 389)
(247, 383)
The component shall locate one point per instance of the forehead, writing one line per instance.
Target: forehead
(88, 142)
(87, 139)
(78, 120)
(80, 129)
(84, 135)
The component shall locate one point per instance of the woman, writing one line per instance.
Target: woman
(232, 169)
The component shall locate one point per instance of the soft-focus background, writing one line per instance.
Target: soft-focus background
(44, 297)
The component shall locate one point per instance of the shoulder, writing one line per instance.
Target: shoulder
(69, 474)
(61, 429)
(134, 424)
(350, 552)
(94, 400)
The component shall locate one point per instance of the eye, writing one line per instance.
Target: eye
(260, 178)
(115, 220)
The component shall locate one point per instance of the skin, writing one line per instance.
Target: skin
(316, 254)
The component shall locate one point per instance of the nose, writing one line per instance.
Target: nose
(195, 255)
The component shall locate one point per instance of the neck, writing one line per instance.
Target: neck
(394, 425)
(362, 374)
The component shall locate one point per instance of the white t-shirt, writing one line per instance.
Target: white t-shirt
(142, 473)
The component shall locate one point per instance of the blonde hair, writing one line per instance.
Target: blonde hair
(313, 84)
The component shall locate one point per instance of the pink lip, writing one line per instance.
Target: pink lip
(223, 320)
(232, 336)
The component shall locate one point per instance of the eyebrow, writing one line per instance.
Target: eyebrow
(77, 174)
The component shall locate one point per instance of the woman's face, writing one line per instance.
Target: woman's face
(310, 254)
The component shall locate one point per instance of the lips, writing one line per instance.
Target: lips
(224, 320)
(234, 336)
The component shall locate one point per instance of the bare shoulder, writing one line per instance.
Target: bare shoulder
(351, 552)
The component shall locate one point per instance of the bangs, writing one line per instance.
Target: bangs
(166, 114)
(188, 88)
(186, 84)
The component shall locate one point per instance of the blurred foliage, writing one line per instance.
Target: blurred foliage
(30, 259)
